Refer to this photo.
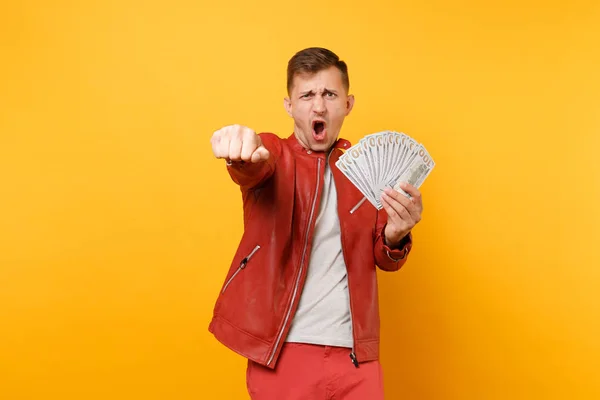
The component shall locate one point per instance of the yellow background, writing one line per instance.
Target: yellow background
(117, 225)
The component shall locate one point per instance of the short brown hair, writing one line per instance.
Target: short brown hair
(313, 60)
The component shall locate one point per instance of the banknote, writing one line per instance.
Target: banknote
(384, 159)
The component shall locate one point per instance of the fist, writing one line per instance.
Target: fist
(403, 212)
(238, 143)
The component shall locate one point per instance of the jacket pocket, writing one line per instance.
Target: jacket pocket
(242, 265)
(357, 206)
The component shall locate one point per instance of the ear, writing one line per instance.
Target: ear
(287, 103)
(349, 103)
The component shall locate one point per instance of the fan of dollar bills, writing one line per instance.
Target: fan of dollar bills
(385, 159)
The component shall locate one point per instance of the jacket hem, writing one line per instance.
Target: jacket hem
(240, 341)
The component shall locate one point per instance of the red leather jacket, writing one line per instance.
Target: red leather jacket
(257, 302)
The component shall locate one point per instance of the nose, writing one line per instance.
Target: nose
(319, 105)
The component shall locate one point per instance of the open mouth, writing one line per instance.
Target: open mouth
(319, 130)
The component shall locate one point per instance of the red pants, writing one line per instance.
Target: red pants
(309, 372)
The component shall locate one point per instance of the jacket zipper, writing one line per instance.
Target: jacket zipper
(243, 264)
(295, 292)
(352, 352)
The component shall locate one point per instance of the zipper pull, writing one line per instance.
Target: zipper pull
(354, 360)
(247, 258)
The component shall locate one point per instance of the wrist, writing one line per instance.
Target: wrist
(398, 242)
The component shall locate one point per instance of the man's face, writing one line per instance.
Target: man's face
(318, 103)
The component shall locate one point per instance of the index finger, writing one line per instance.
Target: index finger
(410, 189)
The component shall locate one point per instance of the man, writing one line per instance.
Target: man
(300, 299)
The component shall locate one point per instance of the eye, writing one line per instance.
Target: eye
(330, 94)
(306, 96)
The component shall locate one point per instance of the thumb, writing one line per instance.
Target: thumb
(260, 154)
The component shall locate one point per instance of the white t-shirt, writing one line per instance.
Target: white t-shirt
(323, 316)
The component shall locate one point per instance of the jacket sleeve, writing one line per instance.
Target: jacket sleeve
(386, 258)
(250, 175)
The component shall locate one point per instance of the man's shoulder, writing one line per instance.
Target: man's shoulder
(276, 143)
(273, 137)
(269, 135)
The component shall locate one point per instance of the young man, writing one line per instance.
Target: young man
(300, 299)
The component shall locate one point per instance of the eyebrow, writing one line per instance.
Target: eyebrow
(324, 91)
